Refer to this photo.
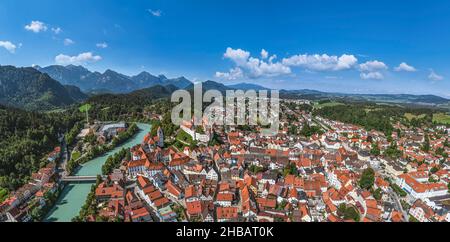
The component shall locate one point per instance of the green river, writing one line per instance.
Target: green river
(74, 195)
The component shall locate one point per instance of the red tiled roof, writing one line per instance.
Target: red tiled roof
(227, 213)
(194, 208)
(225, 197)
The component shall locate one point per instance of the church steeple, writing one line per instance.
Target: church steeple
(160, 135)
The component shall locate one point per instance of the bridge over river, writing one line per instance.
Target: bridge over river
(80, 178)
(79, 185)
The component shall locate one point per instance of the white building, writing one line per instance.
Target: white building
(212, 175)
(196, 136)
(420, 190)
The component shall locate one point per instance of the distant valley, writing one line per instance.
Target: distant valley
(408, 99)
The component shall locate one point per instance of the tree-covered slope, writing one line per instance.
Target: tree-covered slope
(30, 89)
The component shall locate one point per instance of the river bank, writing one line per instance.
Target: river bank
(74, 195)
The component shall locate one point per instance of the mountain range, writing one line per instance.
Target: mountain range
(430, 100)
(30, 89)
(59, 86)
(109, 81)
(248, 86)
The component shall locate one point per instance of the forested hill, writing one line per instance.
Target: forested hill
(374, 116)
(25, 138)
(129, 106)
(139, 97)
(32, 90)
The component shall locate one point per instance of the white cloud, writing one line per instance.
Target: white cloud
(36, 26)
(371, 66)
(321, 62)
(372, 75)
(264, 54)
(254, 67)
(233, 74)
(68, 42)
(8, 46)
(371, 70)
(434, 76)
(266, 65)
(273, 57)
(102, 45)
(156, 13)
(405, 67)
(82, 58)
(260, 68)
(238, 56)
(56, 30)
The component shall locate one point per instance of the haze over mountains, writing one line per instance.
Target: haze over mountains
(380, 98)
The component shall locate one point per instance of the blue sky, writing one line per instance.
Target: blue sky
(344, 46)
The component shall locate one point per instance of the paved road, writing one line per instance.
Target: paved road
(320, 123)
(398, 203)
(65, 158)
(219, 179)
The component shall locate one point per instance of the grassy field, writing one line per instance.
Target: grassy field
(328, 104)
(183, 139)
(76, 155)
(410, 116)
(441, 118)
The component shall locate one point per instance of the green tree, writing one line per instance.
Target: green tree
(367, 179)
(3, 194)
(308, 130)
(375, 150)
(290, 169)
(348, 212)
(392, 151)
(341, 209)
(352, 213)
(377, 194)
(434, 169)
(426, 145)
(293, 130)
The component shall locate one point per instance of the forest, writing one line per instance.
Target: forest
(25, 139)
(136, 106)
(375, 116)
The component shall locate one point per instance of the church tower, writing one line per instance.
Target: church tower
(160, 137)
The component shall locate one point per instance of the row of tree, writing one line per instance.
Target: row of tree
(114, 161)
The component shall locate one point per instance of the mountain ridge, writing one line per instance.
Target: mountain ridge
(78, 79)
(427, 99)
(109, 80)
(30, 89)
